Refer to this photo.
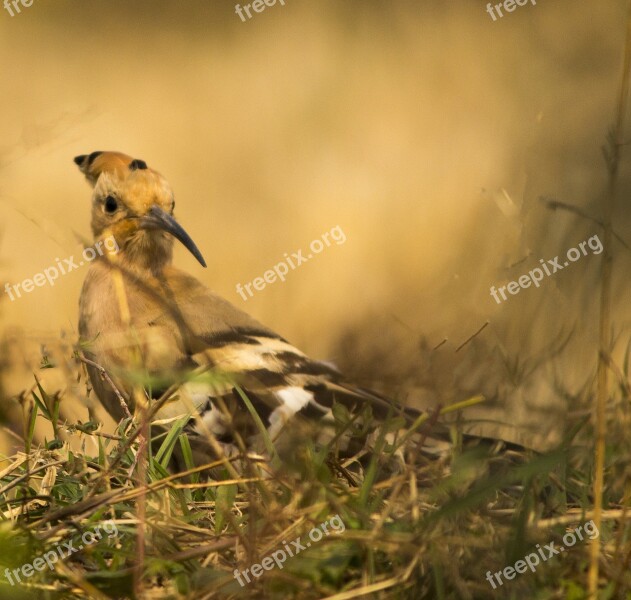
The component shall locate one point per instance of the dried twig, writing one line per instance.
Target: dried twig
(616, 143)
(107, 378)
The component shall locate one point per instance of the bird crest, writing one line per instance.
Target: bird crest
(95, 163)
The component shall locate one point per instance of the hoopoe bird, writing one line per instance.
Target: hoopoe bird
(137, 311)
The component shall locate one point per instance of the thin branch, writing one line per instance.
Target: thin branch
(600, 424)
(471, 337)
(107, 378)
(554, 204)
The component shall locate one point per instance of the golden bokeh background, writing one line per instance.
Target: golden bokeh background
(427, 132)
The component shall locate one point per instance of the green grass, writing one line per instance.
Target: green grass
(423, 529)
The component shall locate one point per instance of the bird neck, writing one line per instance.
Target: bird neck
(142, 264)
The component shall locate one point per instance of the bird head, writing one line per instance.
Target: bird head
(134, 204)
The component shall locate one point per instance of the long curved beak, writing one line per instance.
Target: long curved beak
(157, 218)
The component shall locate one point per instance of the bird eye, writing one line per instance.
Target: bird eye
(111, 205)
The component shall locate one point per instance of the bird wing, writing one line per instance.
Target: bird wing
(187, 334)
(281, 382)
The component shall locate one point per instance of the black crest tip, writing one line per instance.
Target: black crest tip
(137, 164)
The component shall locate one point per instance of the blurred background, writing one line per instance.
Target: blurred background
(433, 136)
